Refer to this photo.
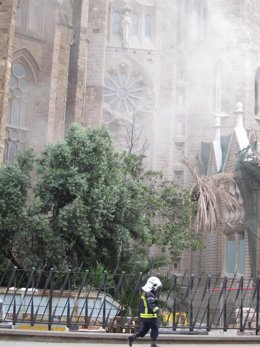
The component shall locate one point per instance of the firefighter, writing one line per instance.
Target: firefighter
(149, 312)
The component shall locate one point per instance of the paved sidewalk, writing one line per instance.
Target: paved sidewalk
(91, 344)
(16, 338)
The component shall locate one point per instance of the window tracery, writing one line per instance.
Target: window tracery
(179, 150)
(126, 90)
(17, 131)
(127, 95)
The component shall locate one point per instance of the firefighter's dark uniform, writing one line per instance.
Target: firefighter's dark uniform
(149, 313)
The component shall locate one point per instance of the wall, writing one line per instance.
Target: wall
(7, 26)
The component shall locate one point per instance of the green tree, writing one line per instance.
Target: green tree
(89, 205)
(14, 184)
(175, 215)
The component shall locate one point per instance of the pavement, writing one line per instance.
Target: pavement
(16, 338)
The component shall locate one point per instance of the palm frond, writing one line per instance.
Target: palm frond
(213, 197)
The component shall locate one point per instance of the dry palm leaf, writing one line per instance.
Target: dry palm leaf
(213, 197)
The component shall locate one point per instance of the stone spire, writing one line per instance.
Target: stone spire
(217, 142)
(240, 131)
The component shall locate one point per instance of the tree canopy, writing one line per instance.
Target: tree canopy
(81, 202)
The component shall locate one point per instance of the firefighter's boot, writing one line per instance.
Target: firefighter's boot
(131, 339)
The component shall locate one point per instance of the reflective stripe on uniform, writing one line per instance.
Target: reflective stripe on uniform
(146, 314)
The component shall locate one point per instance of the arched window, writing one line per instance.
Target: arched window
(199, 20)
(135, 24)
(222, 92)
(34, 15)
(181, 23)
(179, 150)
(116, 22)
(148, 26)
(17, 132)
(235, 244)
(257, 92)
(20, 13)
(29, 15)
(203, 18)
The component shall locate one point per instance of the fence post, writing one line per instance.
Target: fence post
(257, 306)
(68, 306)
(191, 303)
(104, 314)
(208, 303)
(14, 302)
(86, 313)
(104, 301)
(223, 303)
(50, 299)
(174, 323)
(241, 285)
(32, 303)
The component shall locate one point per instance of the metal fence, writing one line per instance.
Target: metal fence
(85, 300)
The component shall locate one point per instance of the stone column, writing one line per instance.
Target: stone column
(93, 103)
(59, 72)
(7, 27)
(240, 131)
(78, 63)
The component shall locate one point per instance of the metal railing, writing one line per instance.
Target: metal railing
(86, 300)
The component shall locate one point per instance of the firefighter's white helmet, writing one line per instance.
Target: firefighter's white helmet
(153, 283)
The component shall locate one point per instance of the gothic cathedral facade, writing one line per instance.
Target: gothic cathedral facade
(184, 73)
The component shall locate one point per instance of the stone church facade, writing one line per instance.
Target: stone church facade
(172, 69)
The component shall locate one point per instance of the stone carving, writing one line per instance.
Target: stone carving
(126, 23)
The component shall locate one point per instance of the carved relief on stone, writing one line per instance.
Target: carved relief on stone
(126, 23)
(132, 24)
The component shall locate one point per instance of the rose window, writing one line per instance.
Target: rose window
(126, 90)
